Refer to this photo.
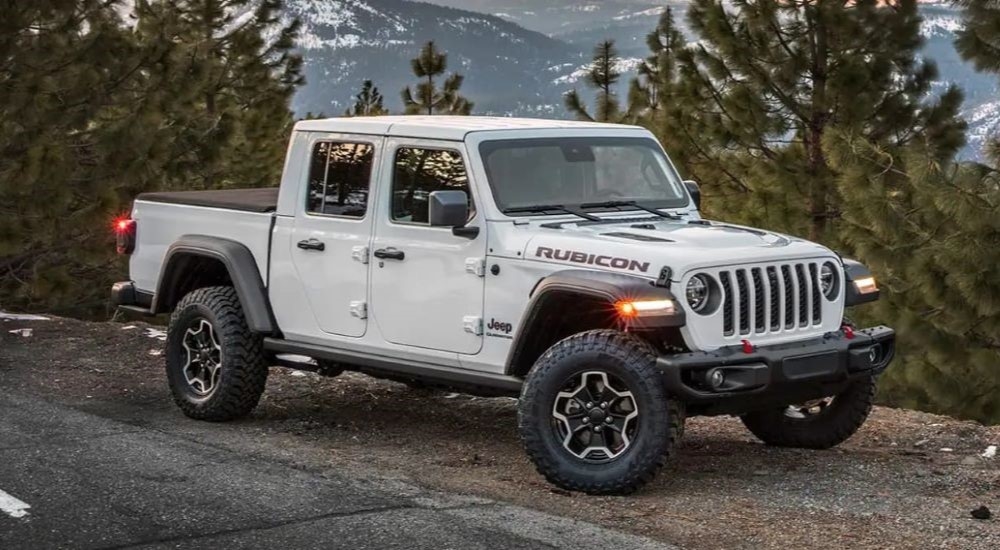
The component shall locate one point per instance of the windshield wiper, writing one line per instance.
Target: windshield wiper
(634, 204)
(548, 207)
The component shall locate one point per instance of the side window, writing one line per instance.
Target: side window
(339, 174)
(419, 172)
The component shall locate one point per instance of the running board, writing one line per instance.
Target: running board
(401, 369)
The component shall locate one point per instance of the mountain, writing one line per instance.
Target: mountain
(520, 56)
(507, 68)
(982, 90)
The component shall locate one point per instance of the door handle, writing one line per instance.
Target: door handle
(389, 254)
(312, 244)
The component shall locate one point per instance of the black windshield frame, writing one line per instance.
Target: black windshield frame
(488, 147)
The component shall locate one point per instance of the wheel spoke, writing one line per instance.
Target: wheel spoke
(594, 416)
(203, 361)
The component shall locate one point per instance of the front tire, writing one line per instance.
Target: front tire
(215, 364)
(594, 415)
(821, 424)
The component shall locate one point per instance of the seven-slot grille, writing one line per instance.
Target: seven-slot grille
(768, 299)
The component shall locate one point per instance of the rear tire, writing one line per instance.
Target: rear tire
(829, 427)
(569, 382)
(215, 364)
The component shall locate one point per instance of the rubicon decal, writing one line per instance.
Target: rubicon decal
(591, 259)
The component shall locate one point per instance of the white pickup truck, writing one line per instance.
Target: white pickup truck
(564, 263)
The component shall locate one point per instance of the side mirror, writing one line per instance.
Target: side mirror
(692, 187)
(448, 208)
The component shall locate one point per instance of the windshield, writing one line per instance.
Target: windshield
(576, 171)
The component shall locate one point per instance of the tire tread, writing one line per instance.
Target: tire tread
(245, 371)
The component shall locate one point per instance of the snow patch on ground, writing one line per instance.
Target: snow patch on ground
(4, 316)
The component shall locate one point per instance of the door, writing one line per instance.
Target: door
(332, 234)
(427, 284)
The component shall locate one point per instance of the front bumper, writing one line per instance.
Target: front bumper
(776, 375)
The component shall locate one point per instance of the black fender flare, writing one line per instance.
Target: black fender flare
(854, 270)
(239, 263)
(605, 286)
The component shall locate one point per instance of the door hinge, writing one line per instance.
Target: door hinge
(359, 310)
(473, 324)
(476, 266)
(360, 253)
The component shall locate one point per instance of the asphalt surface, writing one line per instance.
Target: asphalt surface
(94, 482)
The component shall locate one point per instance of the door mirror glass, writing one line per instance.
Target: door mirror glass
(692, 187)
(448, 208)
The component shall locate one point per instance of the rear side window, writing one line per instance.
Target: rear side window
(339, 174)
(419, 172)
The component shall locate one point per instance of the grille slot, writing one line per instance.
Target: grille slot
(770, 299)
(774, 305)
(816, 290)
(744, 297)
(727, 303)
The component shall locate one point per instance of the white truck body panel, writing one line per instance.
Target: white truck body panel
(161, 225)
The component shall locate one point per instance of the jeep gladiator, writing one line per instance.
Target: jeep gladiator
(564, 263)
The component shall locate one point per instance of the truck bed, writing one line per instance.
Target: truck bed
(162, 219)
(246, 200)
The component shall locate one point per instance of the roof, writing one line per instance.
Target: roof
(440, 127)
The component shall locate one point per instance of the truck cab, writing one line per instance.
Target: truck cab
(565, 263)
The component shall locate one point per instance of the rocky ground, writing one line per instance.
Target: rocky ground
(906, 480)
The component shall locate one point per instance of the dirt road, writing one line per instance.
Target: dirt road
(907, 480)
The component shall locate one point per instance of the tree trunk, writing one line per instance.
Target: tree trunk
(816, 168)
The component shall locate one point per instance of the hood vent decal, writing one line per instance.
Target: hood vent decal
(635, 237)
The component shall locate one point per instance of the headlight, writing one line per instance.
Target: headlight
(828, 280)
(697, 292)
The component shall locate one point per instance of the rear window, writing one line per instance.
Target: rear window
(339, 175)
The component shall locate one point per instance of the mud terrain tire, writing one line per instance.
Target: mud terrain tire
(242, 372)
(830, 427)
(625, 359)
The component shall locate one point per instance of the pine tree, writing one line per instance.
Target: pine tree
(368, 102)
(94, 111)
(603, 75)
(931, 232)
(768, 79)
(667, 101)
(67, 108)
(234, 74)
(427, 98)
(979, 41)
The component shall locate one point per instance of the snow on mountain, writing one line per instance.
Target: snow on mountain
(347, 41)
(520, 56)
(625, 65)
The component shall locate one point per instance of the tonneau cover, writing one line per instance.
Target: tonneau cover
(248, 200)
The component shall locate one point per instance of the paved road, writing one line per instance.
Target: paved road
(95, 482)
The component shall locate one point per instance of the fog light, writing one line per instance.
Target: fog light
(874, 353)
(715, 378)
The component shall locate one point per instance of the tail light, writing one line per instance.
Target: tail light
(125, 235)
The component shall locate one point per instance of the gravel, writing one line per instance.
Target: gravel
(907, 479)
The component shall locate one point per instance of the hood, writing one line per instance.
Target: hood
(646, 246)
